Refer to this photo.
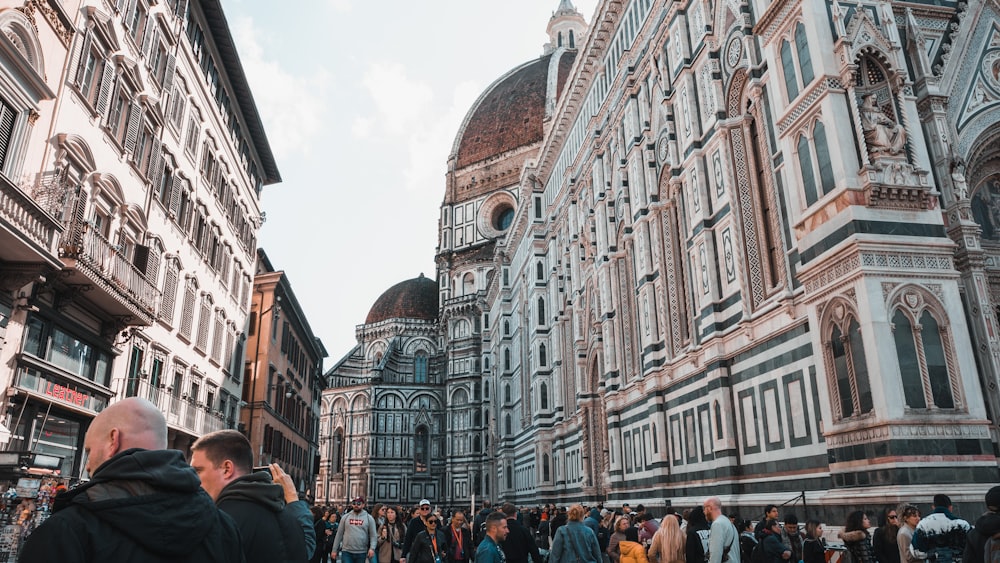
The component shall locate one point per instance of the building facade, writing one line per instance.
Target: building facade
(745, 249)
(133, 160)
(282, 378)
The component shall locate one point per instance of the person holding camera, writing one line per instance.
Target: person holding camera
(390, 537)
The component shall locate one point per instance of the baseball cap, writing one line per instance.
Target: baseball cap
(425, 501)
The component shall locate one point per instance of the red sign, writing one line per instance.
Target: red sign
(66, 394)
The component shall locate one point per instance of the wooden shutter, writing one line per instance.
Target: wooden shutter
(7, 120)
(78, 62)
(154, 167)
(107, 86)
(168, 74)
(149, 37)
(175, 198)
(134, 121)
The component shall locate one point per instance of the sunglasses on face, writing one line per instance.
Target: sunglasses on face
(893, 516)
(425, 508)
(432, 522)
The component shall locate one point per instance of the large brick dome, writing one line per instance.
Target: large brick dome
(411, 299)
(511, 112)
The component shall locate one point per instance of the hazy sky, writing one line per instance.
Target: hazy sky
(362, 100)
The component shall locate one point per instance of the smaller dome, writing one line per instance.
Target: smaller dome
(411, 299)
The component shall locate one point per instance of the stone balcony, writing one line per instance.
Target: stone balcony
(27, 232)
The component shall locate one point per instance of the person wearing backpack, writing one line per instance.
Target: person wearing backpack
(723, 538)
(983, 542)
(747, 540)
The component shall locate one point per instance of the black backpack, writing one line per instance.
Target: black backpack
(757, 555)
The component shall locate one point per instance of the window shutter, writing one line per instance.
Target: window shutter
(153, 264)
(169, 296)
(148, 37)
(154, 168)
(78, 62)
(168, 74)
(7, 119)
(129, 8)
(134, 119)
(107, 85)
(175, 198)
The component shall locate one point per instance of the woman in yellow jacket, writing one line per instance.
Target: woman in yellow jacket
(632, 551)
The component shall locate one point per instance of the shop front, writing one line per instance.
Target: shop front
(59, 385)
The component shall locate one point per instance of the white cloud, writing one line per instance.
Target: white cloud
(419, 125)
(430, 146)
(292, 107)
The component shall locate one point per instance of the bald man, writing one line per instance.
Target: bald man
(143, 502)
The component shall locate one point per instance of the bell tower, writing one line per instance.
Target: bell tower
(566, 28)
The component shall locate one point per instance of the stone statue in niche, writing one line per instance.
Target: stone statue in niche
(961, 187)
(885, 137)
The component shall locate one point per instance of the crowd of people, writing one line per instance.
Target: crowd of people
(144, 502)
(702, 534)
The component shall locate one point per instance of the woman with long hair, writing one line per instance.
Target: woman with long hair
(884, 540)
(389, 548)
(857, 539)
(813, 547)
(668, 542)
(909, 517)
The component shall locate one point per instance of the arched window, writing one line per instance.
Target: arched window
(477, 418)
(572, 40)
(420, 367)
(559, 41)
(797, 76)
(421, 449)
(814, 162)
(539, 271)
(468, 284)
(477, 444)
(923, 349)
(543, 392)
(509, 477)
(477, 391)
(541, 311)
(846, 358)
(338, 452)
(508, 426)
(542, 359)
(506, 394)
(506, 359)
(506, 328)
(545, 468)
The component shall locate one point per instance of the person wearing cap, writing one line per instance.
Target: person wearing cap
(415, 526)
(357, 535)
(986, 527)
(941, 535)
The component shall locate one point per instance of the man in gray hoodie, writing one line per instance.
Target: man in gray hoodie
(356, 535)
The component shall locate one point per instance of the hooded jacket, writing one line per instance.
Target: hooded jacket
(632, 552)
(141, 505)
(270, 533)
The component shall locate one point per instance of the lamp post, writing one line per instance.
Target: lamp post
(276, 306)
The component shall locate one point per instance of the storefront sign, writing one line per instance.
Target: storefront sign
(66, 394)
(32, 379)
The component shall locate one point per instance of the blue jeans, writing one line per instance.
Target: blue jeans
(348, 557)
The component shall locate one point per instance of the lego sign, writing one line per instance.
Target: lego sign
(65, 394)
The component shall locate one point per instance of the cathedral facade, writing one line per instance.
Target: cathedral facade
(746, 249)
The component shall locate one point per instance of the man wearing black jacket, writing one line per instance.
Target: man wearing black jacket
(519, 543)
(275, 526)
(143, 502)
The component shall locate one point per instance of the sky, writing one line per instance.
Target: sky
(361, 101)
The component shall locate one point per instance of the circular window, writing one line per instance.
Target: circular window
(502, 218)
(496, 215)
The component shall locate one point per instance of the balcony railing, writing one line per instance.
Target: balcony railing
(95, 253)
(181, 413)
(25, 216)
